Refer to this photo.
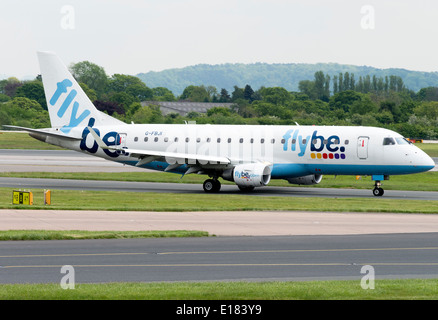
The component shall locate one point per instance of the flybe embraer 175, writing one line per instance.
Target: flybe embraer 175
(248, 155)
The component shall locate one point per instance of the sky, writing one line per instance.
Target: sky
(133, 36)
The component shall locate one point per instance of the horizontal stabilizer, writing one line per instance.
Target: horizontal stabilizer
(44, 133)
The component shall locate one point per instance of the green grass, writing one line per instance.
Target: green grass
(80, 234)
(149, 201)
(22, 140)
(430, 148)
(411, 289)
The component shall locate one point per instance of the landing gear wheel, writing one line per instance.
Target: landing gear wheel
(212, 185)
(378, 192)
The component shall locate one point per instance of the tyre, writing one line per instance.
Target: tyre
(211, 185)
(378, 192)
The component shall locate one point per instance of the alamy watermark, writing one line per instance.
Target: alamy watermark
(68, 18)
(68, 281)
(368, 21)
(367, 281)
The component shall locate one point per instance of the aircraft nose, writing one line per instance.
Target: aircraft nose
(425, 161)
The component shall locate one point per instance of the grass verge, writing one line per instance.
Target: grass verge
(148, 201)
(22, 140)
(80, 234)
(406, 289)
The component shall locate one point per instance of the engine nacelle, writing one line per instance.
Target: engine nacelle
(306, 180)
(249, 175)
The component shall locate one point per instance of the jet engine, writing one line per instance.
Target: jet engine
(306, 180)
(249, 175)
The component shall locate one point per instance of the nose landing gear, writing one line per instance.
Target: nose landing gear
(378, 191)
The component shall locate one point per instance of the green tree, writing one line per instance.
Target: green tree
(308, 88)
(248, 93)
(318, 86)
(335, 84)
(130, 85)
(123, 99)
(428, 94)
(91, 74)
(25, 112)
(162, 94)
(391, 107)
(363, 106)
(147, 114)
(224, 96)
(237, 94)
(219, 111)
(10, 86)
(195, 94)
(343, 100)
(427, 109)
(91, 94)
(33, 90)
(275, 95)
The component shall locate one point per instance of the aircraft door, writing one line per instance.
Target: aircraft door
(121, 140)
(362, 147)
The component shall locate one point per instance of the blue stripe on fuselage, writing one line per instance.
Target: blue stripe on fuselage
(295, 170)
(292, 170)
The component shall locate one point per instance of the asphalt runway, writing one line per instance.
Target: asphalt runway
(222, 259)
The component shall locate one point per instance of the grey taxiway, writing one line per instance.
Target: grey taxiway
(281, 258)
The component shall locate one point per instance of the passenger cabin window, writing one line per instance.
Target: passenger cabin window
(388, 141)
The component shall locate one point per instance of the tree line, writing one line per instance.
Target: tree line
(338, 100)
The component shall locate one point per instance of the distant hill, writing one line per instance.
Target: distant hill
(269, 75)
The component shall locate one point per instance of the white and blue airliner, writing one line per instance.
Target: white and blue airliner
(248, 155)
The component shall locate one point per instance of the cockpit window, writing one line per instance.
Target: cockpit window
(402, 141)
(388, 141)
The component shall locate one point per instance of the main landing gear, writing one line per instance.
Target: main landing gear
(212, 185)
(378, 191)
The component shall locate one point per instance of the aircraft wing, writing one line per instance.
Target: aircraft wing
(173, 158)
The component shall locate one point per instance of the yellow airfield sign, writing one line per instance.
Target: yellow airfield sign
(22, 197)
